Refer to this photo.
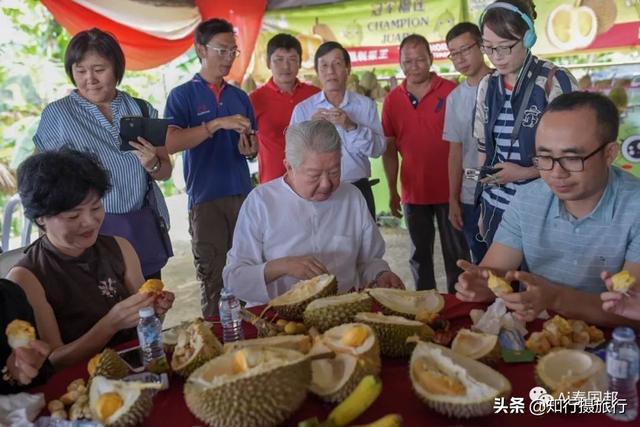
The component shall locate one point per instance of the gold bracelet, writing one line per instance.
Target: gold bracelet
(6, 376)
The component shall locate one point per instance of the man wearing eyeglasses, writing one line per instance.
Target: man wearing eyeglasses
(413, 119)
(274, 102)
(463, 41)
(574, 227)
(212, 123)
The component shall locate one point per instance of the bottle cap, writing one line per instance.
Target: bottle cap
(624, 333)
(146, 312)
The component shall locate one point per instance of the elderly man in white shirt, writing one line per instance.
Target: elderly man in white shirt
(355, 116)
(304, 224)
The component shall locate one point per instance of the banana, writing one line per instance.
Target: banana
(391, 420)
(357, 402)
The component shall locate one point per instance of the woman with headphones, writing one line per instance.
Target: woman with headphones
(509, 104)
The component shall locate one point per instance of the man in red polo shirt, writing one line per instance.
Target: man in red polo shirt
(413, 119)
(274, 101)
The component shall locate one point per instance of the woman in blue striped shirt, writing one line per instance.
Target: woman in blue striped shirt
(88, 119)
(509, 104)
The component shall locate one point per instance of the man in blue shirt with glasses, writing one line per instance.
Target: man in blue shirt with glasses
(573, 227)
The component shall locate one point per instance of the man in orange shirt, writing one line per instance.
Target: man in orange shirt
(274, 101)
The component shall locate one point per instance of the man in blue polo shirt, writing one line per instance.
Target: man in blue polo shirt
(212, 123)
(571, 228)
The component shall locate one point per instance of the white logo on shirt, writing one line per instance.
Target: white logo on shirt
(531, 116)
(108, 288)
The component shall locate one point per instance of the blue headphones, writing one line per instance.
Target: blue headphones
(530, 37)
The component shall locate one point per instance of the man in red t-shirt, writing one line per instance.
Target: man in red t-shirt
(413, 119)
(273, 103)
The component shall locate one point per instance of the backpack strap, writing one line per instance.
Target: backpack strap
(549, 83)
(144, 108)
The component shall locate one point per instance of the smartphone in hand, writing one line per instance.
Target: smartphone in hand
(153, 130)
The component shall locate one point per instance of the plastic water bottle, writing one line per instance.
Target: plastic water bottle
(230, 316)
(622, 366)
(150, 339)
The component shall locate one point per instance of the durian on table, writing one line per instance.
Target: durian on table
(292, 303)
(567, 371)
(107, 364)
(196, 344)
(325, 313)
(250, 387)
(409, 304)
(119, 403)
(393, 332)
(357, 354)
(455, 385)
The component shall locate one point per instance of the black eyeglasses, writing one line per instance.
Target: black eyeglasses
(568, 163)
(463, 51)
(500, 50)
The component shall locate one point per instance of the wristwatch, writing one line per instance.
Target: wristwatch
(155, 168)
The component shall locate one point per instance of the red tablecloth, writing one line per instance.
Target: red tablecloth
(169, 408)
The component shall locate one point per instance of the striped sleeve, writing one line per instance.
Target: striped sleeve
(47, 137)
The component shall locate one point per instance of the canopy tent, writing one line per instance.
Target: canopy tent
(153, 32)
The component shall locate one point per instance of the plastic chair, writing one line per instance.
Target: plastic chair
(9, 259)
(25, 234)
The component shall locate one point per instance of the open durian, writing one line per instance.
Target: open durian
(477, 346)
(407, 303)
(393, 331)
(498, 285)
(563, 371)
(622, 281)
(325, 313)
(250, 387)
(301, 343)
(119, 403)
(292, 303)
(107, 364)
(196, 344)
(455, 385)
(357, 355)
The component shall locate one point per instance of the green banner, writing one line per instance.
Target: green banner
(370, 30)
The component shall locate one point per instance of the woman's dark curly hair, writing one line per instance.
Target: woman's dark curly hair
(53, 182)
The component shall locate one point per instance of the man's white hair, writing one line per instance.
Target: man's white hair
(318, 136)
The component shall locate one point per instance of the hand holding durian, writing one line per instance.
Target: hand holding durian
(163, 300)
(28, 355)
(622, 299)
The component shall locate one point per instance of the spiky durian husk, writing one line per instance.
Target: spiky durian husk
(265, 399)
(110, 365)
(295, 311)
(138, 412)
(393, 337)
(324, 318)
